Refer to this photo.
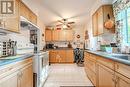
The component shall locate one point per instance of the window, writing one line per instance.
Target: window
(128, 25)
(124, 17)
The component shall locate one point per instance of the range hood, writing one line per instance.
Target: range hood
(24, 23)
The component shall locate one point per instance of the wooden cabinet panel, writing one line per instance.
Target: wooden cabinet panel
(59, 35)
(11, 22)
(48, 35)
(27, 13)
(10, 81)
(52, 57)
(32, 17)
(69, 56)
(55, 35)
(95, 24)
(27, 77)
(100, 17)
(105, 77)
(69, 35)
(92, 76)
(122, 69)
(100, 21)
(107, 73)
(24, 11)
(61, 56)
(62, 35)
(19, 74)
(122, 81)
(106, 62)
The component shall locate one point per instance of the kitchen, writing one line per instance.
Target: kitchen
(64, 43)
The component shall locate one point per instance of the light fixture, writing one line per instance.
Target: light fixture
(64, 26)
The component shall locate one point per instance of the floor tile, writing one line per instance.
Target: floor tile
(67, 75)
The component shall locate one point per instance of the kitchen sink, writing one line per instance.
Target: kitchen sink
(121, 56)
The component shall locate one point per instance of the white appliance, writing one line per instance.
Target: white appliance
(40, 68)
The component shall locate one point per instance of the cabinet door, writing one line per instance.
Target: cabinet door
(62, 35)
(100, 21)
(122, 81)
(69, 35)
(95, 24)
(61, 56)
(11, 21)
(24, 11)
(9, 81)
(69, 56)
(105, 77)
(52, 57)
(27, 76)
(32, 17)
(48, 35)
(56, 35)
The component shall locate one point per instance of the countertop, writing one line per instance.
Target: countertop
(61, 48)
(20, 57)
(110, 56)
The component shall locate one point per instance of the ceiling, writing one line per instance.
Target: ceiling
(52, 10)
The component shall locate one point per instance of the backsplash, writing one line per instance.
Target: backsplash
(23, 40)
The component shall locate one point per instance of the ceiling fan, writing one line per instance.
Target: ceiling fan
(64, 23)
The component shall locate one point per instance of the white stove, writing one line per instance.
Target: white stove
(40, 67)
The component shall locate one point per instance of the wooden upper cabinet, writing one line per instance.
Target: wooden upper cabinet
(100, 21)
(48, 35)
(27, 13)
(55, 35)
(95, 24)
(69, 35)
(11, 21)
(24, 11)
(100, 17)
(32, 18)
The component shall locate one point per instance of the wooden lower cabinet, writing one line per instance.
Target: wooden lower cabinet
(69, 56)
(10, 81)
(106, 73)
(26, 77)
(17, 75)
(105, 77)
(122, 81)
(61, 56)
(52, 56)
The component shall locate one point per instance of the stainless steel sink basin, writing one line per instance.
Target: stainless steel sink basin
(121, 56)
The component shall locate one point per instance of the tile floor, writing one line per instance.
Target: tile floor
(67, 75)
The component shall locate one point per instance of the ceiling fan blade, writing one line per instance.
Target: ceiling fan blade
(71, 22)
(61, 21)
(59, 25)
(68, 25)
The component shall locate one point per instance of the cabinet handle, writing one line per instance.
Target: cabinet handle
(117, 66)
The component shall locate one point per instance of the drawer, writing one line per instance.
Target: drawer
(122, 69)
(93, 57)
(91, 65)
(106, 62)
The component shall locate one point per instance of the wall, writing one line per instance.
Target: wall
(105, 39)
